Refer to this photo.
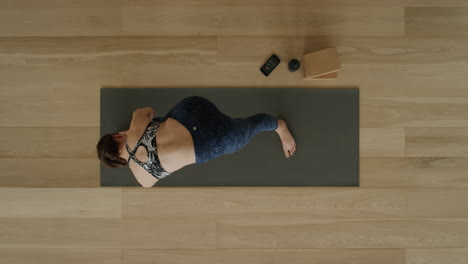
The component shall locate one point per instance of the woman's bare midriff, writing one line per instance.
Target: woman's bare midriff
(175, 145)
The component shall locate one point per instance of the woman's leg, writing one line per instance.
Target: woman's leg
(216, 134)
(243, 130)
(263, 122)
(249, 127)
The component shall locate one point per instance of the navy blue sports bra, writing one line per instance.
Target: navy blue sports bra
(148, 140)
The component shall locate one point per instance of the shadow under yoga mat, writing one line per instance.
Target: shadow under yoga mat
(324, 123)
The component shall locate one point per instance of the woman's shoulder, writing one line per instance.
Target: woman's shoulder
(142, 176)
(135, 133)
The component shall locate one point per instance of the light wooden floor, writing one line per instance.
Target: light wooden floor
(408, 57)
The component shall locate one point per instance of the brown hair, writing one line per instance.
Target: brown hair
(108, 152)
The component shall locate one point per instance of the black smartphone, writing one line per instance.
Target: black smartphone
(270, 65)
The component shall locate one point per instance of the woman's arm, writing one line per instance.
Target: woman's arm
(141, 118)
(146, 111)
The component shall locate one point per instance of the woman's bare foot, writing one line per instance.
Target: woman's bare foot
(289, 145)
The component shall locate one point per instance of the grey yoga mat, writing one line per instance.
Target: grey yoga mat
(324, 123)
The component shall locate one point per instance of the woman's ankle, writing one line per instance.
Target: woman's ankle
(280, 127)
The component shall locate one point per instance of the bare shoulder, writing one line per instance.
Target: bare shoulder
(140, 120)
(142, 176)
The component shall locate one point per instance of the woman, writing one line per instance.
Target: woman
(193, 131)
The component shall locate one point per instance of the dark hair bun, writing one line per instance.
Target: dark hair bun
(108, 152)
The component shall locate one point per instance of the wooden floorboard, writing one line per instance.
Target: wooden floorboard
(314, 256)
(436, 142)
(439, 21)
(72, 256)
(107, 233)
(414, 172)
(272, 233)
(49, 172)
(436, 256)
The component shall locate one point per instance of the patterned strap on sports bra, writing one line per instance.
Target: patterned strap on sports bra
(152, 165)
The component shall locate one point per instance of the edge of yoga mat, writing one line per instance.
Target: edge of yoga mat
(328, 156)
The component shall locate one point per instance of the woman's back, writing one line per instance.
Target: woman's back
(174, 145)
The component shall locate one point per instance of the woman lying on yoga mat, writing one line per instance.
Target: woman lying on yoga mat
(193, 131)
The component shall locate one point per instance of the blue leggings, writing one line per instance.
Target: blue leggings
(214, 133)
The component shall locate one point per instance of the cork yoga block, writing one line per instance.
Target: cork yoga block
(322, 64)
(328, 76)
